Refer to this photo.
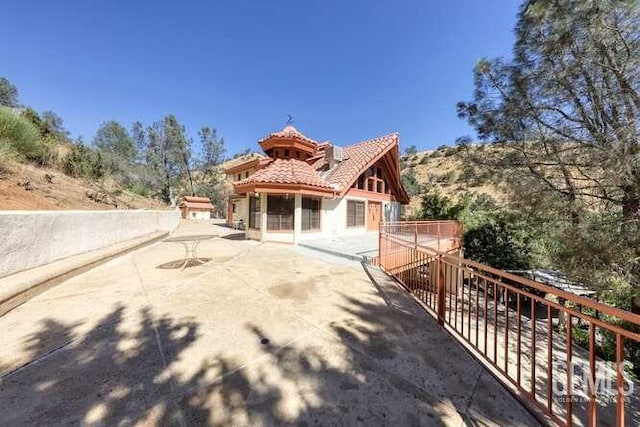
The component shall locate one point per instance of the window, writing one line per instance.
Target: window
(254, 212)
(246, 174)
(280, 212)
(239, 177)
(355, 213)
(286, 152)
(233, 208)
(310, 213)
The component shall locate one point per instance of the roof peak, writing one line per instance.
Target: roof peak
(289, 132)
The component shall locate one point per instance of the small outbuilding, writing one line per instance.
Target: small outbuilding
(193, 207)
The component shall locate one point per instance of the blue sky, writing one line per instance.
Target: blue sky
(345, 70)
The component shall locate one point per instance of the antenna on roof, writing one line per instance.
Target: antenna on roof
(289, 119)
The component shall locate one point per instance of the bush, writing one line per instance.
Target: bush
(82, 162)
(498, 244)
(20, 137)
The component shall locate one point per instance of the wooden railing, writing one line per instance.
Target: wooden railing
(570, 358)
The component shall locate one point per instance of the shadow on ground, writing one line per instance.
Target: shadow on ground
(125, 371)
(111, 377)
(183, 263)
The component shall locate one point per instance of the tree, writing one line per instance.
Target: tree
(212, 148)
(411, 150)
(568, 104)
(410, 182)
(8, 93)
(138, 137)
(436, 205)
(565, 114)
(53, 125)
(111, 137)
(213, 183)
(168, 154)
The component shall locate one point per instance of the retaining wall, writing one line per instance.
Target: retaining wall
(30, 239)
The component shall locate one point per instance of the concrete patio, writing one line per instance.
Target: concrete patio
(261, 334)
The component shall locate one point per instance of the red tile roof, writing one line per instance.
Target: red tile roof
(287, 171)
(193, 202)
(289, 132)
(357, 157)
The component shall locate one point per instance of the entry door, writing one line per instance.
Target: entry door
(374, 216)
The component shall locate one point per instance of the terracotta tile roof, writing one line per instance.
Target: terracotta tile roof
(289, 132)
(287, 171)
(313, 172)
(356, 157)
(196, 205)
(196, 199)
(193, 202)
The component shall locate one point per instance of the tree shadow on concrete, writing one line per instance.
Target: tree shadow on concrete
(183, 263)
(112, 375)
(363, 370)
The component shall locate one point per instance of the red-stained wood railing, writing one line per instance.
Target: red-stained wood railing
(571, 358)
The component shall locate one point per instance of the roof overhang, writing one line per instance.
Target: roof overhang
(242, 166)
(283, 188)
(392, 161)
(290, 143)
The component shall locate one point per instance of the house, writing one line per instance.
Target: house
(304, 189)
(236, 170)
(192, 207)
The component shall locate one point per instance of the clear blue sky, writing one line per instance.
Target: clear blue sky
(345, 70)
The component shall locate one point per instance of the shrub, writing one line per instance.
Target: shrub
(82, 162)
(20, 137)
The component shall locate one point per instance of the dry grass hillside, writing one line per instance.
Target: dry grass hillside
(445, 168)
(25, 186)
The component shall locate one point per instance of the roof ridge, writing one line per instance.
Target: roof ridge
(389, 135)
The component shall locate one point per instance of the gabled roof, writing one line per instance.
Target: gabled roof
(358, 158)
(193, 202)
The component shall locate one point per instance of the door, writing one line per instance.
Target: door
(374, 216)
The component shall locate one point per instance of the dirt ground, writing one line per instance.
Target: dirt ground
(26, 187)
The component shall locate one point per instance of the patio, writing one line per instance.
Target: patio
(261, 334)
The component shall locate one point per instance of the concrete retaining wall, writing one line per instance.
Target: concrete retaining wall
(33, 238)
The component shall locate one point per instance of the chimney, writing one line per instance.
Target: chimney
(333, 155)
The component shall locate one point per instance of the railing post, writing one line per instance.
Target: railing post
(415, 235)
(380, 244)
(438, 233)
(440, 290)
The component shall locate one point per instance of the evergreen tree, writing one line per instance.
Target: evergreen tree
(8, 93)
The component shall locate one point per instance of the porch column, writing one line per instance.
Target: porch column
(263, 216)
(297, 219)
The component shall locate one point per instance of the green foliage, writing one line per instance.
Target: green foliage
(409, 182)
(21, 138)
(111, 137)
(563, 114)
(412, 150)
(499, 244)
(8, 93)
(83, 162)
(435, 205)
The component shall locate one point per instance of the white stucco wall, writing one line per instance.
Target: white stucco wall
(333, 220)
(34, 238)
(199, 215)
(242, 210)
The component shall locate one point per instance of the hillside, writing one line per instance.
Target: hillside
(445, 168)
(25, 186)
